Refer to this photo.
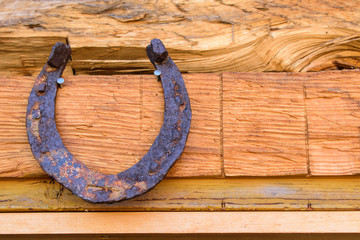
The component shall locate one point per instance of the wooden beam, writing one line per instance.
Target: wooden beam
(261, 194)
(253, 124)
(179, 222)
(205, 36)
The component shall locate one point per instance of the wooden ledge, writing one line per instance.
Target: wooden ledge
(261, 194)
(179, 222)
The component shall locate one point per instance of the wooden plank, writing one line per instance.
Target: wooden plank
(202, 36)
(264, 125)
(257, 124)
(110, 122)
(333, 122)
(184, 236)
(179, 222)
(260, 194)
(281, 123)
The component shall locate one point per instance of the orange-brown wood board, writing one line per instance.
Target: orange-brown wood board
(244, 124)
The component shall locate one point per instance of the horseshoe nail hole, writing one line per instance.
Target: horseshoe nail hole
(154, 169)
(36, 114)
(100, 188)
(153, 172)
(41, 88)
(182, 107)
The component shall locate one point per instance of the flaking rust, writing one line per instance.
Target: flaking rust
(49, 150)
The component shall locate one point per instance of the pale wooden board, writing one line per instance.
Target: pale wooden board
(179, 222)
(264, 125)
(333, 110)
(260, 194)
(184, 236)
(109, 123)
(202, 36)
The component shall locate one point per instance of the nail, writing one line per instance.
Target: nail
(60, 81)
(157, 73)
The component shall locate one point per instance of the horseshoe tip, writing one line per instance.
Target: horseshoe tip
(156, 51)
(59, 56)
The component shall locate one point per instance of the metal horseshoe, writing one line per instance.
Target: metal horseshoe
(49, 150)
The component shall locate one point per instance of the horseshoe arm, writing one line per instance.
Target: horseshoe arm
(49, 150)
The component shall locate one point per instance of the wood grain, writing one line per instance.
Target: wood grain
(109, 123)
(282, 123)
(333, 108)
(179, 222)
(246, 194)
(244, 124)
(26, 55)
(202, 36)
(264, 125)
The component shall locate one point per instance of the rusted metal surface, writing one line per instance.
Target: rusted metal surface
(49, 150)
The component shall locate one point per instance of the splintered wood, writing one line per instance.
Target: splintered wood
(201, 36)
(28, 53)
(244, 124)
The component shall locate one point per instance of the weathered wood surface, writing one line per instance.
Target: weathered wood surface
(277, 123)
(269, 194)
(109, 37)
(109, 123)
(333, 124)
(179, 222)
(264, 124)
(244, 124)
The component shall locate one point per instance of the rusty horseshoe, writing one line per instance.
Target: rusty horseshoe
(49, 150)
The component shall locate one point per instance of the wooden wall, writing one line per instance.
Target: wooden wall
(275, 98)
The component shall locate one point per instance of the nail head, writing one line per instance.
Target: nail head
(157, 72)
(60, 81)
